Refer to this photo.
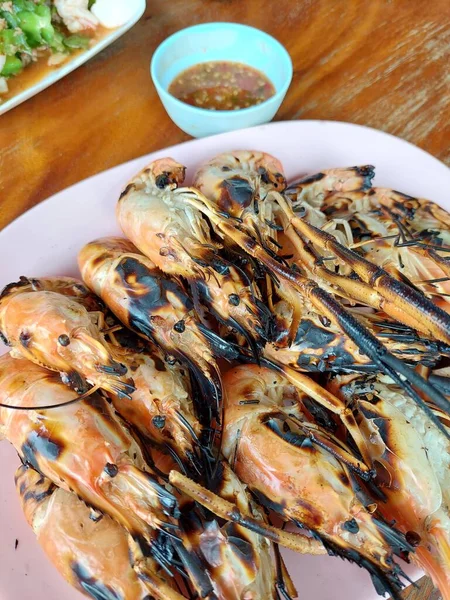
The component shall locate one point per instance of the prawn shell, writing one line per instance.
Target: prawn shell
(300, 481)
(82, 447)
(92, 555)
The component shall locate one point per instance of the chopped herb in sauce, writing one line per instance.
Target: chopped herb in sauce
(222, 85)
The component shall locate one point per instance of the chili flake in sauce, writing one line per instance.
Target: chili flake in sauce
(222, 85)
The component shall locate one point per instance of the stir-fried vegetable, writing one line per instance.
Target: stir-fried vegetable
(28, 30)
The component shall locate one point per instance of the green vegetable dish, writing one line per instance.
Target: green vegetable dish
(33, 30)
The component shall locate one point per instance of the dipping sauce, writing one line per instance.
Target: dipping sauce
(222, 85)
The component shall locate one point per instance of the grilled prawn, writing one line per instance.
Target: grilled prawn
(291, 467)
(68, 286)
(154, 215)
(56, 331)
(312, 189)
(413, 459)
(161, 407)
(245, 185)
(374, 285)
(295, 288)
(82, 446)
(320, 346)
(92, 555)
(157, 308)
(408, 237)
(239, 184)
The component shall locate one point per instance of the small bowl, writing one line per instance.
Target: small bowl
(220, 41)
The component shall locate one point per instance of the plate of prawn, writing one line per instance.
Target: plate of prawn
(219, 339)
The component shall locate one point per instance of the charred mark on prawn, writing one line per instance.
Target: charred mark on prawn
(381, 423)
(100, 258)
(277, 507)
(368, 173)
(11, 287)
(35, 496)
(313, 336)
(320, 415)
(344, 479)
(128, 189)
(277, 179)
(236, 193)
(291, 437)
(311, 178)
(41, 445)
(243, 549)
(82, 289)
(4, 339)
(76, 381)
(92, 586)
(159, 364)
(147, 292)
(192, 563)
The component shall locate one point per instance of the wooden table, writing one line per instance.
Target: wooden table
(380, 63)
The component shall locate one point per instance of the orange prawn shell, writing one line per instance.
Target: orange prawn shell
(232, 179)
(263, 456)
(146, 300)
(73, 445)
(160, 390)
(305, 484)
(57, 332)
(170, 230)
(84, 551)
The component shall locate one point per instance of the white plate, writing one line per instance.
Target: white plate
(58, 73)
(45, 241)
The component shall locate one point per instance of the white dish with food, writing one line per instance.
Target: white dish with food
(46, 240)
(87, 31)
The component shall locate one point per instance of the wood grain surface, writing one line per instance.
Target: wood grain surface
(382, 63)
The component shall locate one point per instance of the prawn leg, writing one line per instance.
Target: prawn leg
(159, 589)
(229, 511)
(348, 288)
(335, 405)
